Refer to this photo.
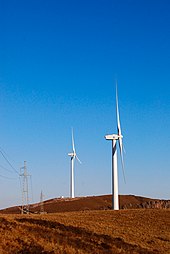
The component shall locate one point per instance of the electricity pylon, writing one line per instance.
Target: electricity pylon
(25, 197)
(41, 203)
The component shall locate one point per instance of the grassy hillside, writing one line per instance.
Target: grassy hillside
(127, 231)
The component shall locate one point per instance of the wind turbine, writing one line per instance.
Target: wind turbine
(116, 138)
(73, 156)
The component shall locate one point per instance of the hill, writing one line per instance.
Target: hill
(91, 203)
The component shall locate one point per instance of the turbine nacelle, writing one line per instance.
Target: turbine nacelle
(113, 137)
(72, 154)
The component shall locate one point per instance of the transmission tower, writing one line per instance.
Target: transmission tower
(24, 185)
(41, 203)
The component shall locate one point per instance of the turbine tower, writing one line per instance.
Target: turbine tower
(73, 156)
(116, 138)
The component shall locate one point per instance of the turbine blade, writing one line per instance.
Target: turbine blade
(78, 159)
(121, 155)
(120, 134)
(117, 113)
(73, 145)
(124, 150)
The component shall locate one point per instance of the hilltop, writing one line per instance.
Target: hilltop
(91, 203)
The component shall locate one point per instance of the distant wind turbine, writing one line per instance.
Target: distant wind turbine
(116, 138)
(73, 156)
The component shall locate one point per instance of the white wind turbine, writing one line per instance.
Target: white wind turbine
(116, 137)
(73, 156)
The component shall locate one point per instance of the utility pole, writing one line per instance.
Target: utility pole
(25, 197)
(41, 203)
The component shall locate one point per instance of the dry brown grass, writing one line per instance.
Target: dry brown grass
(126, 231)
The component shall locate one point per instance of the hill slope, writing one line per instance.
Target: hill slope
(143, 231)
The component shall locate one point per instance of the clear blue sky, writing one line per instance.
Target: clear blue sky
(58, 64)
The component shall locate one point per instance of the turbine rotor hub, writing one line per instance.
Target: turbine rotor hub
(112, 137)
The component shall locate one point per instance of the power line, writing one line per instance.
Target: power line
(6, 169)
(9, 163)
(10, 178)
